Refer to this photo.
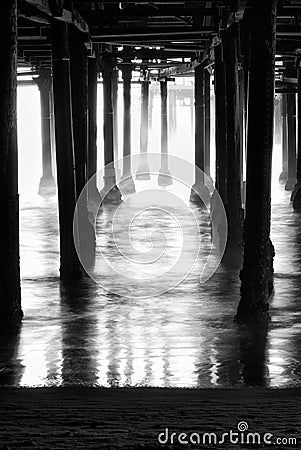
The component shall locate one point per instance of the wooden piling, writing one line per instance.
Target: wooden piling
(283, 175)
(257, 272)
(128, 185)
(199, 192)
(292, 142)
(69, 263)
(233, 126)
(110, 193)
(207, 86)
(220, 123)
(143, 168)
(164, 177)
(10, 290)
(296, 195)
(93, 193)
(79, 93)
(47, 183)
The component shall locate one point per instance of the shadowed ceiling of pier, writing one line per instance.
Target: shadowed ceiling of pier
(163, 34)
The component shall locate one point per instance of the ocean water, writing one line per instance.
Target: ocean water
(128, 329)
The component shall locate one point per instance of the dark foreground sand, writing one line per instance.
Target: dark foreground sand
(121, 418)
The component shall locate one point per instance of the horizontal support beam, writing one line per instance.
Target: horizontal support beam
(288, 30)
(31, 39)
(288, 11)
(167, 47)
(133, 12)
(285, 91)
(157, 2)
(66, 16)
(36, 18)
(179, 69)
(154, 32)
(145, 53)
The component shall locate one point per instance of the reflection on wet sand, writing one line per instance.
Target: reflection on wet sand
(82, 334)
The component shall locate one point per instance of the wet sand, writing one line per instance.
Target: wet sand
(132, 418)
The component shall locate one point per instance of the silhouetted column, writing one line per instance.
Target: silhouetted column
(93, 193)
(79, 92)
(47, 183)
(192, 110)
(292, 144)
(79, 83)
(115, 81)
(52, 121)
(277, 121)
(257, 272)
(207, 80)
(110, 193)
(172, 111)
(233, 123)
(69, 263)
(296, 195)
(164, 177)
(220, 123)
(199, 192)
(10, 291)
(143, 168)
(245, 51)
(150, 106)
(127, 186)
(242, 116)
(283, 175)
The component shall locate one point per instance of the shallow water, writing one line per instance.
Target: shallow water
(83, 334)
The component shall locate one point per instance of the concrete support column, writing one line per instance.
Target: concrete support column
(164, 177)
(93, 193)
(10, 290)
(283, 175)
(47, 183)
(192, 111)
(199, 192)
(127, 185)
(233, 125)
(115, 85)
(143, 168)
(52, 121)
(207, 83)
(257, 272)
(296, 195)
(69, 263)
(220, 123)
(150, 106)
(111, 193)
(292, 143)
(172, 111)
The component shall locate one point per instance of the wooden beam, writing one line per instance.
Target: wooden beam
(66, 16)
(180, 33)
(39, 18)
(179, 69)
(149, 11)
